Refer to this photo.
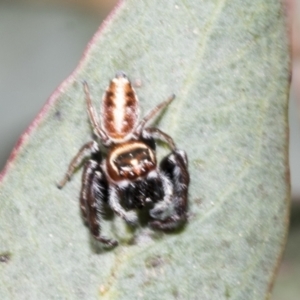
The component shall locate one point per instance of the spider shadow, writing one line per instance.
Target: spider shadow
(108, 215)
(144, 219)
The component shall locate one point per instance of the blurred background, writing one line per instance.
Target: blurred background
(41, 44)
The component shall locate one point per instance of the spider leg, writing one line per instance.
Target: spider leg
(92, 196)
(152, 113)
(87, 149)
(93, 115)
(114, 201)
(159, 134)
(165, 188)
(175, 168)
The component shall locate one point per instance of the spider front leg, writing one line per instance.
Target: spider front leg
(164, 188)
(174, 167)
(92, 197)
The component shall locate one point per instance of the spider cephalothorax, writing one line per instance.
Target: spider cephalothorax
(128, 177)
(130, 160)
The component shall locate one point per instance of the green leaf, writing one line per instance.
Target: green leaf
(227, 62)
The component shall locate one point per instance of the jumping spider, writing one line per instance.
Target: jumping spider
(128, 177)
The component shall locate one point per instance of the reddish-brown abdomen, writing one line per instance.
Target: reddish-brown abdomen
(119, 109)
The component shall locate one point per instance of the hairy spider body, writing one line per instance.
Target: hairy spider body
(130, 160)
(128, 177)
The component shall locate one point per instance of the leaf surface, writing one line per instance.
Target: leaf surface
(227, 62)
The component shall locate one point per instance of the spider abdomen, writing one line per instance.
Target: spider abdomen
(120, 108)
